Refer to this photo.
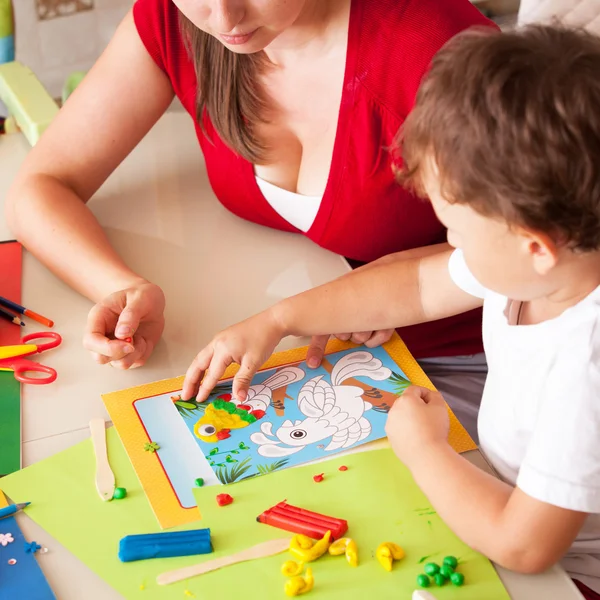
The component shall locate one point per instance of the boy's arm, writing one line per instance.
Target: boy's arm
(502, 522)
(392, 293)
(511, 528)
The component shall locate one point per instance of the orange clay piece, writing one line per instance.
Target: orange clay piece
(319, 478)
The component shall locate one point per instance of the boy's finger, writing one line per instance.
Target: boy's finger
(432, 397)
(243, 378)
(211, 376)
(379, 337)
(194, 374)
(316, 350)
(360, 337)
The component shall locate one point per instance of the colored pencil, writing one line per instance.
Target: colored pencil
(4, 314)
(12, 509)
(25, 311)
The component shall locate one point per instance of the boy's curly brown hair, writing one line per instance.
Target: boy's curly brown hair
(512, 122)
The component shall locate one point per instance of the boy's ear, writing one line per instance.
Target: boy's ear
(542, 249)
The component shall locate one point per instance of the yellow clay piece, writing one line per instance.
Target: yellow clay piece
(345, 546)
(387, 553)
(305, 550)
(299, 584)
(352, 553)
(290, 568)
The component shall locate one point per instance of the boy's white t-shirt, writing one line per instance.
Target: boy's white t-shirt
(539, 422)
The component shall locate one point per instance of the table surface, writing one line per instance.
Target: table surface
(216, 269)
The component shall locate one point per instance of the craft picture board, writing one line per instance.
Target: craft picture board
(377, 496)
(10, 389)
(24, 579)
(152, 413)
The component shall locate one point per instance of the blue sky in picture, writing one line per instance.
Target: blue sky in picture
(340, 405)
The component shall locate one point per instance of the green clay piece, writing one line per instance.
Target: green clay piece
(120, 493)
(446, 571)
(439, 579)
(432, 569)
(457, 579)
(151, 447)
(199, 482)
(231, 408)
(451, 561)
(423, 581)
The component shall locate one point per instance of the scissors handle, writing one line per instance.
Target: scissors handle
(54, 338)
(23, 366)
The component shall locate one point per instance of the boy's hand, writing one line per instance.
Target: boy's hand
(417, 421)
(137, 313)
(371, 339)
(247, 344)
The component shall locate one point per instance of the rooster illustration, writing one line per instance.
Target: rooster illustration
(333, 411)
(227, 413)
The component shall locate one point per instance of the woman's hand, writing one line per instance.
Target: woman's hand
(370, 339)
(417, 422)
(136, 312)
(247, 344)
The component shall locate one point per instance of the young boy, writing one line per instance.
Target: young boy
(505, 142)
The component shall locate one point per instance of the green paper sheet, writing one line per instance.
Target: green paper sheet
(376, 495)
(10, 423)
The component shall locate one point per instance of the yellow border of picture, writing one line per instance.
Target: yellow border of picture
(154, 480)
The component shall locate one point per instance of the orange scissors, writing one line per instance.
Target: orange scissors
(12, 357)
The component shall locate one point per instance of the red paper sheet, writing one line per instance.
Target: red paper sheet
(10, 287)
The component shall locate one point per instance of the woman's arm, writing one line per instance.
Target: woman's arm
(120, 99)
(114, 107)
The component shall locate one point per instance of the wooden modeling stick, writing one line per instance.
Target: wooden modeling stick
(259, 551)
(105, 478)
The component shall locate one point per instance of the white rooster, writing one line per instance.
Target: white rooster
(333, 411)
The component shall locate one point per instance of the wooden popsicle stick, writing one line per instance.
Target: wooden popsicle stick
(259, 551)
(105, 478)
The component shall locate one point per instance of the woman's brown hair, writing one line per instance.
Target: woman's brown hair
(229, 90)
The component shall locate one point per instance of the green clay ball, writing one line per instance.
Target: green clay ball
(120, 493)
(446, 571)
(451, 561)
(457, 579)
(199, 482)
(423, 581)
(439, 579)
(432, 569)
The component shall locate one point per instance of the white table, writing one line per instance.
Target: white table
(161, 215)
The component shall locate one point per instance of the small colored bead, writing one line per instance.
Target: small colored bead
(224, 499)
(457, 579)
(120, 493)
(439, 579)
(343, 468)
(12, 561)
(199, 482)
(451, 561)
(446, 571)
(432, 569)
(319, 478)
(423, 581)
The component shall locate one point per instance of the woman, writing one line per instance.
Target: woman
(297, 102)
